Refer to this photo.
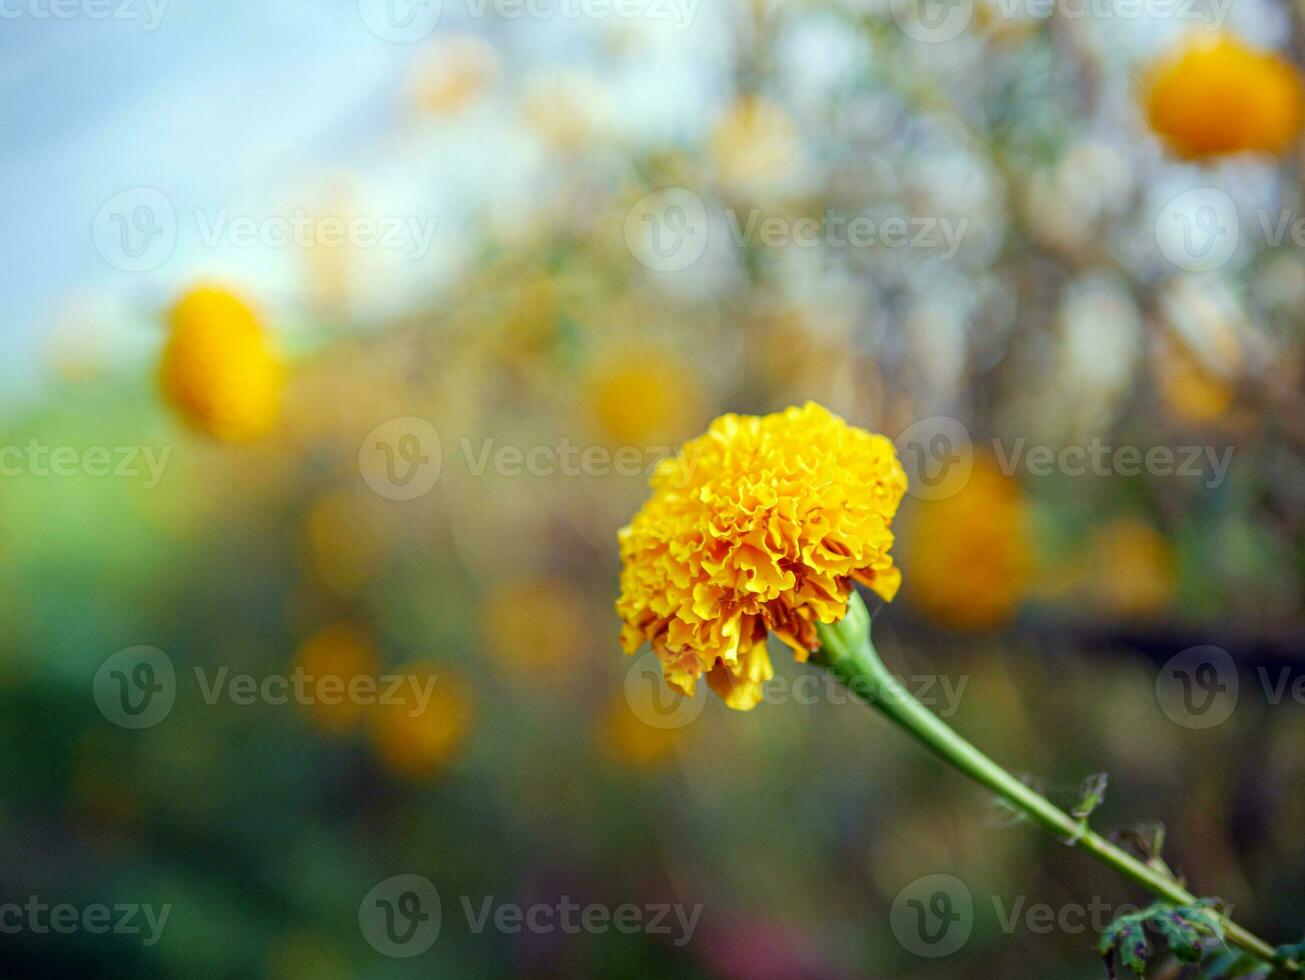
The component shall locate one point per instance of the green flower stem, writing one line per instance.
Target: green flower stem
(846, 650)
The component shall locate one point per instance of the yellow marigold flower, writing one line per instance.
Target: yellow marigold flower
(218, 368)
(341, 651)
(969, 553)
(760, 524)
(1217, 96)
(414, 736)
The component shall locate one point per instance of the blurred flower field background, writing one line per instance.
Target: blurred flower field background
(381, 412)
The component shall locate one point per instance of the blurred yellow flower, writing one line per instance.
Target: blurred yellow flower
(1133, 568)
(346, 540)
(330, 266)
(533, 623)
(1191, 392)
(760, 524)
(340, 650)
(755, 145)
(79, 345)
(566, 109)
(218, 368)
(452, 74)
(1216, 96)
(531, 307)
(969, 554)
(640, 396)
(630, 741)
(1199, 358)
(306, 956)
(413, 736)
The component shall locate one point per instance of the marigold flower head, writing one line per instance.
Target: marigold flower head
(1218, 96)
(761, 524)
(218, 367)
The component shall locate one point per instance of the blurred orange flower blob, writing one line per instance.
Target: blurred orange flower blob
(969, 553)
(639, 396)
(1140, 568)
(340, 651)
(628, 740)
(533, 623)
(452, 74)
(218, 368)
(421, 726)
(756, 144)
(566, 110)
(346, 541)
(1217, 96)
(760, 524)
(1190, 391)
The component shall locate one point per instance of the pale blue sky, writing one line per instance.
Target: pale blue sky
(236, 103)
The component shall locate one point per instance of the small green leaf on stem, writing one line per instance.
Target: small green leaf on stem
(1091, 795)
(1188, 931)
